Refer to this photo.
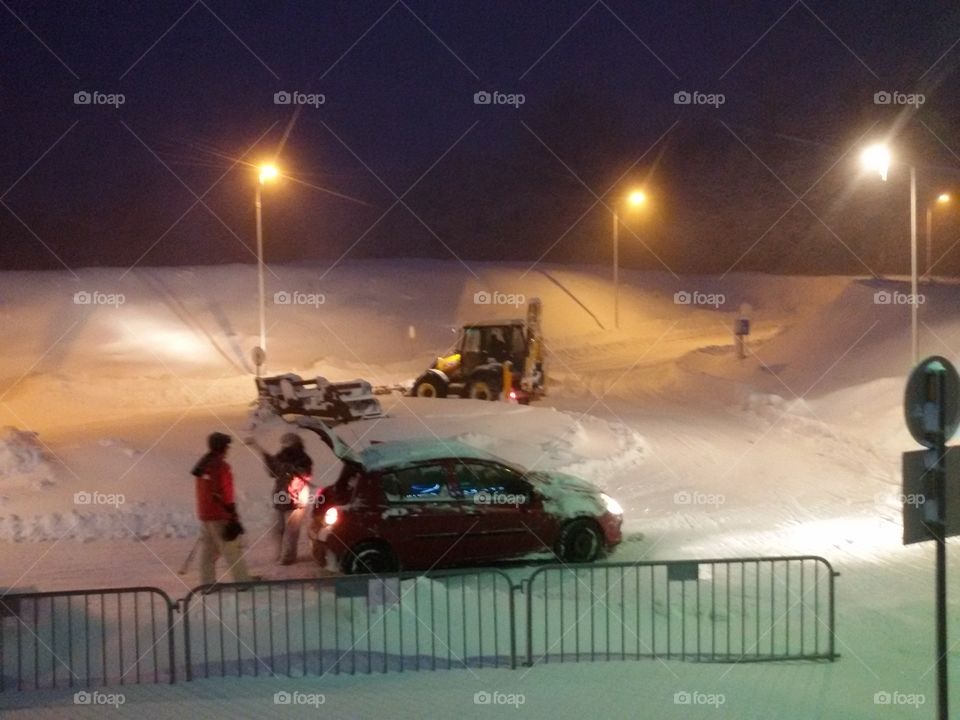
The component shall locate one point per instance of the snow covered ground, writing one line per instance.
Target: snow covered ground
(105, 406)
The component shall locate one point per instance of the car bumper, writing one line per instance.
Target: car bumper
(612, 526)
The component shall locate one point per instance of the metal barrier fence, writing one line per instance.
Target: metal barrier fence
(86, 638)
(362, 624)
(724, 610)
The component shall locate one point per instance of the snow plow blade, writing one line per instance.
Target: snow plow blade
(334, 403)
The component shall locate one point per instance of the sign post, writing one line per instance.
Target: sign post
(932, 410)
(741, 329)
(259, 357)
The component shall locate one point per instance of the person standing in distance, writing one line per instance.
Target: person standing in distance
(292, 471)
(220, 527)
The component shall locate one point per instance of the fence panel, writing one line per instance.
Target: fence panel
(358, 624)
(86, 638)
(724, 610)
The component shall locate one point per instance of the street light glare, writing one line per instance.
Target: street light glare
(637, 197)
(877, 159)
(268, 172)
(943, 198)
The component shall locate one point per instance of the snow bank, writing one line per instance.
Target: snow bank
(595, 450)
(23, 462)
(139, 522)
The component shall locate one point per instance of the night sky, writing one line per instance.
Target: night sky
(400, 161)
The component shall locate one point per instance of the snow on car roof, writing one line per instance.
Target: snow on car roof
(401, 452)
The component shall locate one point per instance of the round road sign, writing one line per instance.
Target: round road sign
(932, 401)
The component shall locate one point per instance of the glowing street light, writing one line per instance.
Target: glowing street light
(633, 200)
(268, 172)
(876, 158)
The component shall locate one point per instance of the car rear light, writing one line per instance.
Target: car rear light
(513, 394)
(331, 516)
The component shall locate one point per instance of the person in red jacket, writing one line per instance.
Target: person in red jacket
(220, 527)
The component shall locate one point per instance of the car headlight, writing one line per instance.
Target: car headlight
(612, 505)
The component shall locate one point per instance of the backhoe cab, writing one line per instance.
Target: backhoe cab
(492, 360)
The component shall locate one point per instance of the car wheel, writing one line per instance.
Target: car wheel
(581, 541)
(430, 387)
(483, 390)
(369, 558)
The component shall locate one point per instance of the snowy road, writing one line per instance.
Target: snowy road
(794, 450)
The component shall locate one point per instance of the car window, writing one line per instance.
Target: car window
(471, 340)
(475, 477)
(421, 483)
(517, 343)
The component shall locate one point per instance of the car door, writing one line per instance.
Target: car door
(422, 521)
(504, 508)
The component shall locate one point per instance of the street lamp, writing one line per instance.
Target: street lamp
(634, 199)
(877, 158)
(942, 199)
(268, 173)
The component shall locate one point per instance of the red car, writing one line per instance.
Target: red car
(423, 504)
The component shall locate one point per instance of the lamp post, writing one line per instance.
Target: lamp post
(268, 173)
(877, 158)
(635, 199)
(942, 199)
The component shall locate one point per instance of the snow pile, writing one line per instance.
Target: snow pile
(595, 449)
(137, 522)
(794, 415)
(589, 448)
(23, 461)
(121, 446)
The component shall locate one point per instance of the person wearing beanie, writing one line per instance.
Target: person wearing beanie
(291, 470)
(220, 527)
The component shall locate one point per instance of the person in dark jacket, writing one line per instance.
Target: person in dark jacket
(292, 473)
(220, 527)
